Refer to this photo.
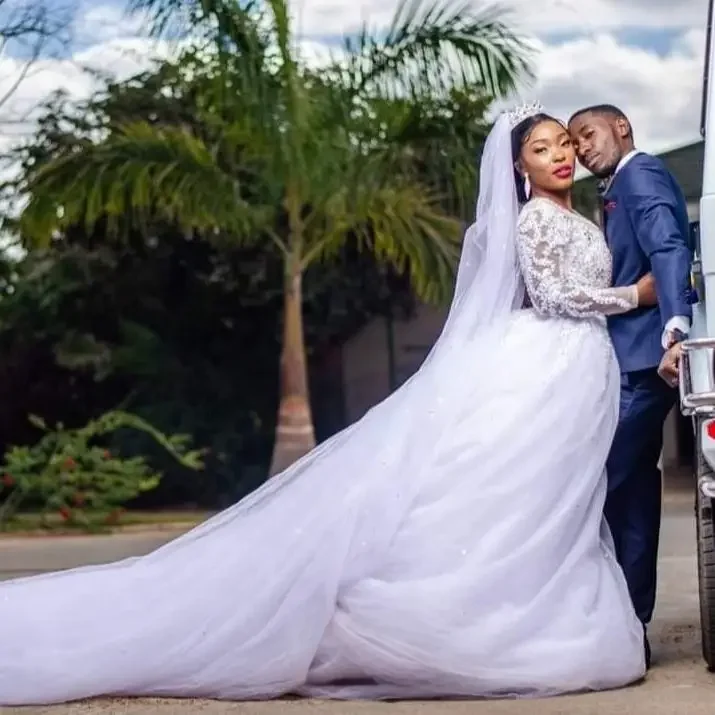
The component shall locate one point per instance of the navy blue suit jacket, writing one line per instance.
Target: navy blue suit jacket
(646, 226)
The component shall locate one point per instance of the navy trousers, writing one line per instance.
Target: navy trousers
(633, 504)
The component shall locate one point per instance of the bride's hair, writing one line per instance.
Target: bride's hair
(519, 135)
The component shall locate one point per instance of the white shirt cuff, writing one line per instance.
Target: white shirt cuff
(677, 322)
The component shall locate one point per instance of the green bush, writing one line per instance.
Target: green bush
(71, 473)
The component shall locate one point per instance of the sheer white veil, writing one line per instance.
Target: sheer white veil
(489, 283)
(391, 445)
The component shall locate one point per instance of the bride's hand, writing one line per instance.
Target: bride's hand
(646, 291)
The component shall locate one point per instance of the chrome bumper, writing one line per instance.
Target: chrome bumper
(697, 399)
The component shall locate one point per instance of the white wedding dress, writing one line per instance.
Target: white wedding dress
(455, 550)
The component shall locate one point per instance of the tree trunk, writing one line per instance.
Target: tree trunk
(295, 435)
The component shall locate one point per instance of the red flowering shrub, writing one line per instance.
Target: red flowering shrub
(67, 473)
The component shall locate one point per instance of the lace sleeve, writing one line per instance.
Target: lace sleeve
(543, 237)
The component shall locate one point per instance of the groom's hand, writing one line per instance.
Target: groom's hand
(669, 368)
(647, 295)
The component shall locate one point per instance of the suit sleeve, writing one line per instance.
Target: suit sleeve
(652, 206)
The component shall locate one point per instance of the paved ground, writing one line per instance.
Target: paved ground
(677, 684)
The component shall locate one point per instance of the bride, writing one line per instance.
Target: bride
(449, 544)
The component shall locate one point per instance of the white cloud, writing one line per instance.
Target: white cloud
(98, 23)
(326, 17)
(119, 58)
(661, 93)
(550, 16)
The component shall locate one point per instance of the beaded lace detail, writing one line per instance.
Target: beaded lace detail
(566, 264)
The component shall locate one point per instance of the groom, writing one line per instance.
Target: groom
(646, 225)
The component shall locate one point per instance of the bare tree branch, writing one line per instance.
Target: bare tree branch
(29, 29)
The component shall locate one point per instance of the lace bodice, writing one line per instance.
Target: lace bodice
(566, 264)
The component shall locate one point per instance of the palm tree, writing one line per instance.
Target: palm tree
(302, 157)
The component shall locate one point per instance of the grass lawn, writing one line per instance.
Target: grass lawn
(35, 522)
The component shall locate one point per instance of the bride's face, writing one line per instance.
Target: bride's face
(548, 158)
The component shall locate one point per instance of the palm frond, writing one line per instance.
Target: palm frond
(140, 169)
(245, 30)
(402, 224)
(434, 140)
(239, 34)
(180, 18)
(433, 43)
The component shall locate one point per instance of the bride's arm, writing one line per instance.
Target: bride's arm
(542, 241)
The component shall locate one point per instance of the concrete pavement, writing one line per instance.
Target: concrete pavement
(678, 682)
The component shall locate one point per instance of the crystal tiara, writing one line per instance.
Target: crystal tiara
(520, 113)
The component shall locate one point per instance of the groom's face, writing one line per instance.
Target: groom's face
(597, 142)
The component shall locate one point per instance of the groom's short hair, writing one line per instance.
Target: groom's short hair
(609, 110)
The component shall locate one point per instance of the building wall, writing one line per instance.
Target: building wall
(366, 357)
(694, 210)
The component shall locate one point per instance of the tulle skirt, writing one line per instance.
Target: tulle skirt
(449, 544)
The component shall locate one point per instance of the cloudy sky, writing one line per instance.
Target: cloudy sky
(644, 55)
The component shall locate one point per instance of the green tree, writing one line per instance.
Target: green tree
(181, 332)
(302, 158)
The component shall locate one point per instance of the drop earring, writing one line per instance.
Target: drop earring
(527, 186)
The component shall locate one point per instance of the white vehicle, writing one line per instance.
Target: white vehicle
(697, 374)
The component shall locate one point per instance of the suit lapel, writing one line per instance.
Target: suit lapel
(610, 197)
